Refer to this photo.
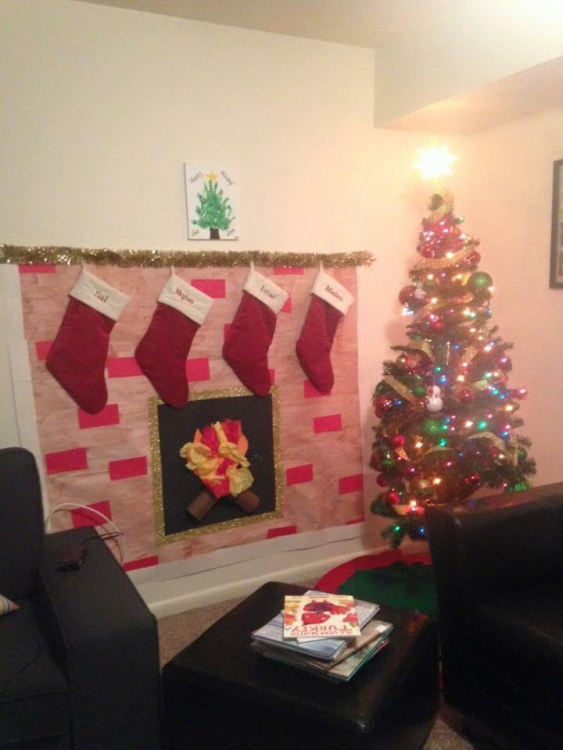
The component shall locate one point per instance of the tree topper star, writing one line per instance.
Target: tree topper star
(211, 176)
(434, 162)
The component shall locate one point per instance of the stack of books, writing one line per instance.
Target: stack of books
(330, 635)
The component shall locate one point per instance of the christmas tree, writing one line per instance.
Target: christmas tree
(447, 414)
(213, 211)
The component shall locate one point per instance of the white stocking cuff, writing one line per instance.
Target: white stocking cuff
(185, 298)
(332, 291)
(99, 295)
(272, 295)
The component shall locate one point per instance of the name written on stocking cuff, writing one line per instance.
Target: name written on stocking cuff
(99, 295)
(272, 295)
(185, 298)
(332, 292)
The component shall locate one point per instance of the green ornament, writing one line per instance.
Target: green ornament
(432, 428)
(519, 486)
(381, 388)
(522, 454)
(387, 464)
(419, 391)
(479, 282)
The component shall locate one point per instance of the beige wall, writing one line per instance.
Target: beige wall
(508, 205)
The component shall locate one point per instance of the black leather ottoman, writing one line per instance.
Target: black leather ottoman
(220, 694)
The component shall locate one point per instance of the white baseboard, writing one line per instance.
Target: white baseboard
(169, 597)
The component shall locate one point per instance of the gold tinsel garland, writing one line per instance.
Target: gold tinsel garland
(71, 256)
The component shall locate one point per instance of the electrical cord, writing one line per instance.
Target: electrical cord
(77, 507)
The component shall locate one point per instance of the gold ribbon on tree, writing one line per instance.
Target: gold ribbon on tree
(437, 264)
(401, 389)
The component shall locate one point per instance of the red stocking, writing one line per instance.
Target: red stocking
(77, 358)
(252, 330)
(163, 350)
(330, 302)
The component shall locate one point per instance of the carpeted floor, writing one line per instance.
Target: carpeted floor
(177, 631)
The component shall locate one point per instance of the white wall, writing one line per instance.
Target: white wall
(102, 107)
(472, 44)
(508, 205)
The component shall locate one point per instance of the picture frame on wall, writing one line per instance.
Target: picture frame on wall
(556, 266)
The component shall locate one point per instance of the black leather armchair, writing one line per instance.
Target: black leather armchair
(79, 665)
(499, 578)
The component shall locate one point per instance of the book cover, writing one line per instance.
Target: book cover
(326, 649)
(325, 616)
(272, 633)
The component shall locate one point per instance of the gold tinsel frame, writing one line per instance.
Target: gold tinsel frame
(158, 497)
(72, 256)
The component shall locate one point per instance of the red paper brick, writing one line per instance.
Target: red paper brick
(287, 306)
(350, 484)
(299, 474)
(330, 423)
(71, 460)
(107, 416)
(142, 562)
(42, 349)
(215, 288)
(226, 329)
(197, 369)
(355, 520)
(285, 271)
(309, 391)
(81, 516)
(127, 468)
(283, 531)
(38, 268)
(123, 367)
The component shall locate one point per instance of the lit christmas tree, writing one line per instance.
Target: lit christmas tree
(447, 415)
(214, 210)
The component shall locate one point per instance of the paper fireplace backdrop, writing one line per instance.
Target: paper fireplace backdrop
(104, 460)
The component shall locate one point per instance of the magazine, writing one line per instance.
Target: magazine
(342, 671)
(327, 649)
(373, 631)
(324, 616)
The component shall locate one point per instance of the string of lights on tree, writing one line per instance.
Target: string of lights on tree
(447, 414)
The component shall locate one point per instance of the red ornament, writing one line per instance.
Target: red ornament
(382, 405)
(505, 363)
(382, 480)
(466, 396)
(397, 441)
(436, 325)
(406, 295)
(474, 259)
(427, 251)
(392, 498)
(473, 480)
(410, 471)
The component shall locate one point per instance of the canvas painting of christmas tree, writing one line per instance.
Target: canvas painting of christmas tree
(212, 203)
(447, 414)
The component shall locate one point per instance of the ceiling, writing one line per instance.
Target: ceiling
(362, 23)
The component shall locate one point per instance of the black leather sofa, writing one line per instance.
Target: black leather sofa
(79, 665)
(498, 569)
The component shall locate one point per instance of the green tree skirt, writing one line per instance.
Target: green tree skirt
(398, 585)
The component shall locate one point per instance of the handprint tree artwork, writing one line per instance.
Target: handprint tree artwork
(447, 413)
(214, 211)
